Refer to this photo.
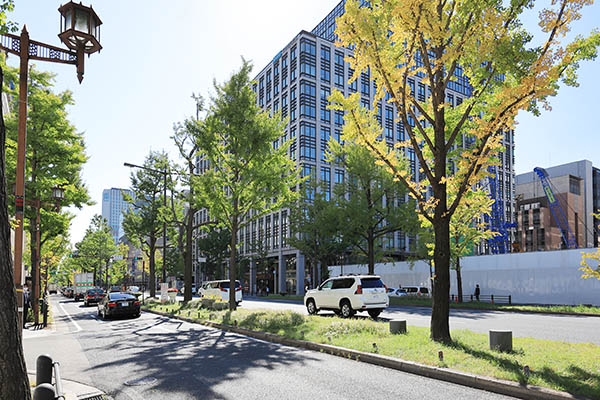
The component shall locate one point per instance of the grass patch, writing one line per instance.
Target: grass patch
(570, 367)
(426, 301)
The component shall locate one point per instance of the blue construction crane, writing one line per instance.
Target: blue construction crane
(557, 212)
(500, 243)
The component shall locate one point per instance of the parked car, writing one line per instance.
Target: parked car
(417, 291)
(346, 295)
(193, 289)
(221, 289)
(93, 296)
(118, 304)
(399, 292)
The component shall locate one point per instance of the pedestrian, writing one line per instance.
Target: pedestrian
(26, 303)
(267, 291)
(477, 292)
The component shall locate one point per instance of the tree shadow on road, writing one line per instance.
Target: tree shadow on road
(190, 362)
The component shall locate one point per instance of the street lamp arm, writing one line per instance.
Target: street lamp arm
(37, 50)
(146, 168)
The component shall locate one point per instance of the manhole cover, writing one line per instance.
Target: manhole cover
(141, 381)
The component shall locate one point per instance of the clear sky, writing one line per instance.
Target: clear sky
(157, 53)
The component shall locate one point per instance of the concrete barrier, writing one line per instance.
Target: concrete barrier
(397, 326)
(501, 340)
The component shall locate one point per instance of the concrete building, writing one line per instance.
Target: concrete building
(297, 82)
(113, 207)
(576, 186)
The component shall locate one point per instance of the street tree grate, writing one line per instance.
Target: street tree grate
(141, 381)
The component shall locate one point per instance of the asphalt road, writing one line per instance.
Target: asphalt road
(190, 361)
(564, 328)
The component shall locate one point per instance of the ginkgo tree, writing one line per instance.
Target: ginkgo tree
(247, 177)
(479, 45)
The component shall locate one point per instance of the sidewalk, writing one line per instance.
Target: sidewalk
(58, 341)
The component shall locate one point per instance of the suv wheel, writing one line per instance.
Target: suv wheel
(311, 307)
(346, 309)
(374, 313)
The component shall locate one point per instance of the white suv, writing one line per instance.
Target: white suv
(349, 294)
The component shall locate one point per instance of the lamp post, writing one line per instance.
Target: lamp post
(164, 173)
(80, 32)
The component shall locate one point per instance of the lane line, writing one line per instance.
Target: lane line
(72, 320)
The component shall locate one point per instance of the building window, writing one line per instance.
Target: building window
(339, 69)
(325, 64)
(325, 112)
(308, 141)
(308, 60)
(307, 99)
(325, 133)
(574, 185)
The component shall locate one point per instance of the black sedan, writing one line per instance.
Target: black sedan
(93, 296)
(119, 304)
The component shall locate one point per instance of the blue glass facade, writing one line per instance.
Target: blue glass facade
(113, 207)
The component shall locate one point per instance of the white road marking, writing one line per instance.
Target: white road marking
(72, 320)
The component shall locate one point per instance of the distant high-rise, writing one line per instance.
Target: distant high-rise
(113, 207)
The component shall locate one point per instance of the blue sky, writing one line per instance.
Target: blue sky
(157, 53)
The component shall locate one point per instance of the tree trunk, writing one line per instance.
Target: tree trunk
(95, 281)
(152, 278)
(232, 258)
(459, 280)
(188, 254)
(440, 329)
(371, 251)
(14, 382)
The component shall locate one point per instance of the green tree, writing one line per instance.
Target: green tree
(143, 222)
(371, 189)
(315, 227)
(214, 247)
(55, 155)
(247, 176)
(185, 139)
(443, 44)
(95, 251)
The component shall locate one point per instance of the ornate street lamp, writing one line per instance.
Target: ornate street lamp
(58, 193)
(80, 31)
(80, 28)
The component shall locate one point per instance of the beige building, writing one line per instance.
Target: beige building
(575, 186)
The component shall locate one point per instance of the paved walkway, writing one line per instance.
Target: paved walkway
(56, 340)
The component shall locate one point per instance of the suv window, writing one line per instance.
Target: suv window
(225, 285)
(344, 283)
(327, 284)
(368, 283)
(424, 290)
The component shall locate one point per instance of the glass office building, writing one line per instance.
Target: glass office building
(113, 207)
(297, 82)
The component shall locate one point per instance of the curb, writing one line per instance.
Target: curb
(508, 388)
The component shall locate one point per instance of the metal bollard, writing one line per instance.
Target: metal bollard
(45, 391)
(43, 369)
